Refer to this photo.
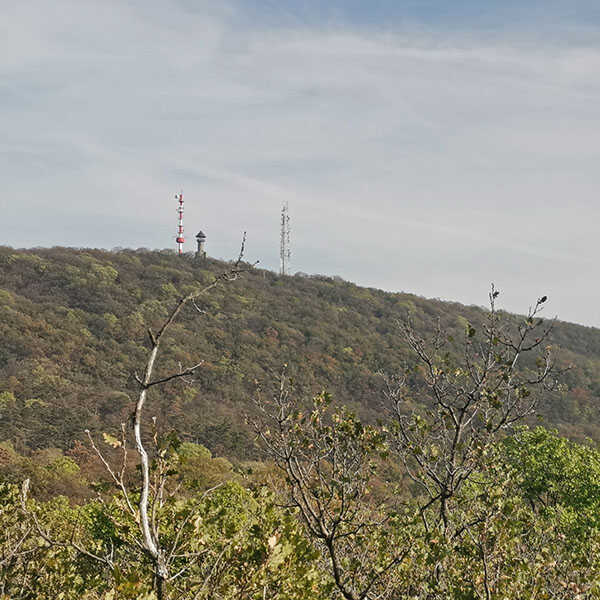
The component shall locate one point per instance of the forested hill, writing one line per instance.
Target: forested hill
(73, 331)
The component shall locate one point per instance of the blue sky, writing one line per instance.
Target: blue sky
(461, 14)
(430, 147)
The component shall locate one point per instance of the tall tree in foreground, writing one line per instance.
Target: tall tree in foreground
(447, 412)
(329, 459)
(144, 502)
(444, 416)
(448, 409)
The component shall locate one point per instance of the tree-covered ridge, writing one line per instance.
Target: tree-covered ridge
(417, 481)
(73, 328)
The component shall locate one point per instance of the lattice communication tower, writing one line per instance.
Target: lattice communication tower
(285, 252)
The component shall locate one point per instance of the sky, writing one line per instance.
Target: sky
(429, 146)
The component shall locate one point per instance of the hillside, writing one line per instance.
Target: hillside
(73, 328)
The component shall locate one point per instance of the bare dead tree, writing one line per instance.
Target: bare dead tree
(444, 425)
(446, 413)
(329, 459)
(147, 522)
(144, 501)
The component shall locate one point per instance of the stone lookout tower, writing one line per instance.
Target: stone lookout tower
(201, 239)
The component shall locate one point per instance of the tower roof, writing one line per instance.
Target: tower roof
(201, 235)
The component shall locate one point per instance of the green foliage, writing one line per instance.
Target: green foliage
(198, 469)
(50, 470)
(74, 329)
(559, 477)
(526, 526)
(73, 326)
(242, 546)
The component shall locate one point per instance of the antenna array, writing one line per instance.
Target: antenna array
(180, 239)
(285, 252)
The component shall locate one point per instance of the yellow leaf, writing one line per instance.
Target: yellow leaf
(111, 440)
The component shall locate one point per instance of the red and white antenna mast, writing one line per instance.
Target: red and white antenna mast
(180, 239)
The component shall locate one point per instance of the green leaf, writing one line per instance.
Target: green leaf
(111, 440)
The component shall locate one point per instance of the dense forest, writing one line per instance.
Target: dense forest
(74, 323)
(304, 437)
